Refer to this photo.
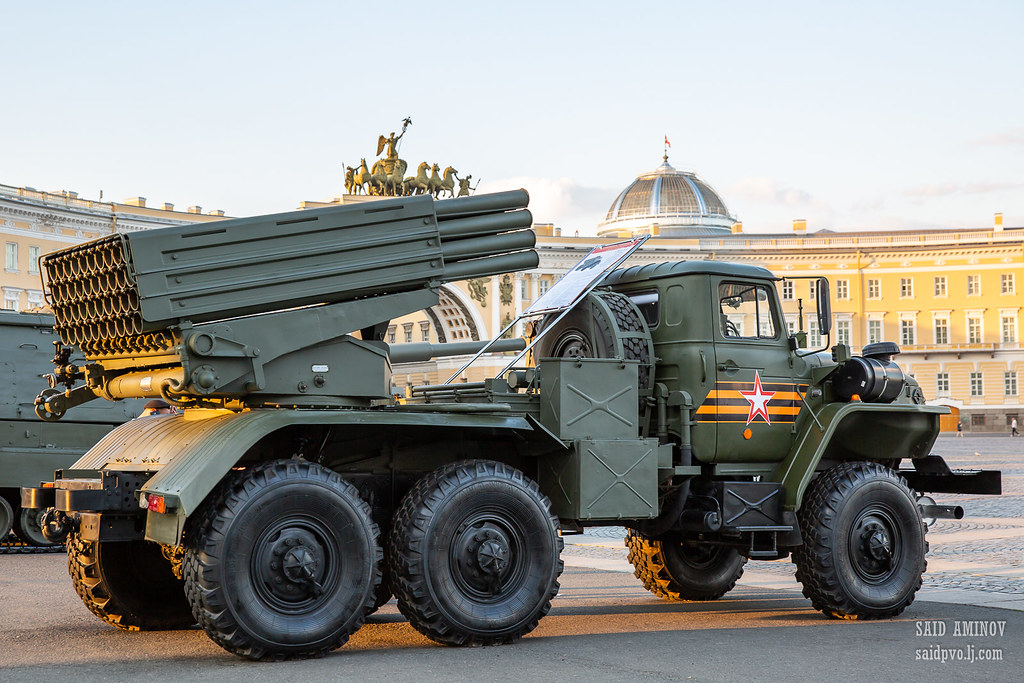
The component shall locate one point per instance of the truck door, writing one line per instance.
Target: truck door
(755, 399)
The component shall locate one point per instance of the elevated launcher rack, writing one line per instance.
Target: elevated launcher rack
(262, 311)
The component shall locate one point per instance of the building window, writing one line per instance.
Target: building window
(874, 289)
(813, 335)
(973, 285)
(12, 298)
(940, 285)
(425, 331)
(787, 290)
(974, 332)
(1008, 329)
(874, 331)
(842, 289)
(977, 385)
(843, 332)
(12, 256)
(942, 384)
(1010, 383)
(543, 286)
(907, 332)
(407, 329)
(1006, 285)
(33, 260)
(790, 326)
(977, 420)
(524, 289)
(391, 334)
(906, 287)
(812, 289)
(941, 330)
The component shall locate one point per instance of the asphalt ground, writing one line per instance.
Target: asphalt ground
(603, 626)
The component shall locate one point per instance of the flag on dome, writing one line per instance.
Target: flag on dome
(667, 143)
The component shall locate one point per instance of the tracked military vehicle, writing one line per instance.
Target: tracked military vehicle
(295, 494)
(31, 450)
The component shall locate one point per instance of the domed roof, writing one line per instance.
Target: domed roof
(678, 202)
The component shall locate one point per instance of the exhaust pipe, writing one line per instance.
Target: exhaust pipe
(941, 511)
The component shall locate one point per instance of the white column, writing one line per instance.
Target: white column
(495, 304)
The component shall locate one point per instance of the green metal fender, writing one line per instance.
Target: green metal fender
(857, 431)
(191, 456)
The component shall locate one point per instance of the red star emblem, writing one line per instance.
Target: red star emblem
(758, 400)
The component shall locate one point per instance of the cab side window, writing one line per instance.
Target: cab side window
(745, 311)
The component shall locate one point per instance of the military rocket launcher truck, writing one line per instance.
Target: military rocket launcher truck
(31, 450)
(294, 495)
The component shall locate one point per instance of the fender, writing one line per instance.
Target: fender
(856, 431)
(191, 453)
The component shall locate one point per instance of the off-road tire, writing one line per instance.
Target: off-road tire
(128, 584)
(676, 570)
(839, 562)
(26, 526)
(6, 518)
(246, 548)
(445, 535)
(382, 594)
(579, 334)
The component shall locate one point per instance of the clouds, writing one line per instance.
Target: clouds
(948, 189)
(561, 201)
(1012, 138)
(768, 190)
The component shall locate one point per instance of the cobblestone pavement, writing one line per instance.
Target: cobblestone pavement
(983, 553)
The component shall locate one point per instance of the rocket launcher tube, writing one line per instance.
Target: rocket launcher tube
(485, 225)
(483, 203)
(411, 353)
(474, 247)
(492, 265)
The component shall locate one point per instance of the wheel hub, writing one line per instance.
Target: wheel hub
(484, 557)
(876, 545)
(291, 565)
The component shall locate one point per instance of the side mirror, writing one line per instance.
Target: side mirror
(824, 306)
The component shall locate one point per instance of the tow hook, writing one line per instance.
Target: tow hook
(56, 525)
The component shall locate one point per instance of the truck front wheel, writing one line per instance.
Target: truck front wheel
(675, 570)
(474, 554)
(128, 584)
(864, 546)
(282, 561)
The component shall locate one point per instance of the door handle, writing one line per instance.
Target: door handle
(703, 367)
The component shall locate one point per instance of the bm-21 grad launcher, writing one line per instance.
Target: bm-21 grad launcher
(293, 496)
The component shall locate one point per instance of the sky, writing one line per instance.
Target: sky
(853, 116)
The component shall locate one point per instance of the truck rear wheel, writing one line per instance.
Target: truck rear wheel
(6, 518)
(474, 554)
(676, 570)
(864, 546)
(282, 561)
(28, 528)
(128, 584)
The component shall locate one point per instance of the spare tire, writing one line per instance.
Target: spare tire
(602, 325)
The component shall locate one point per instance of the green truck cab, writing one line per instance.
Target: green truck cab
(294, 494)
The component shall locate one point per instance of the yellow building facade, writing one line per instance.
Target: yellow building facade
(951, 299)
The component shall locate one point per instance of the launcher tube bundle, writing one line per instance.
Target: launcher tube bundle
(198, 313)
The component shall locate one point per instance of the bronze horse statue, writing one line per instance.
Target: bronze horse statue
(417, 184)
